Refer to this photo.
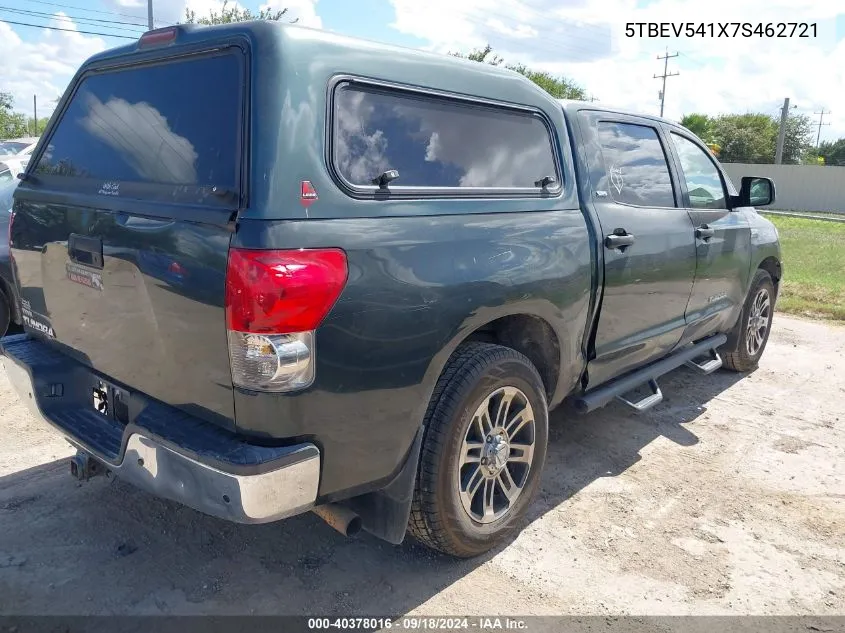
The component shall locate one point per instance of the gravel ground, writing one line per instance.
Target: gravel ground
(728, 498)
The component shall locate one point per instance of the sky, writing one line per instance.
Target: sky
(583, 40)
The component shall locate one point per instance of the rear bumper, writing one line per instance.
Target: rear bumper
(162, 449)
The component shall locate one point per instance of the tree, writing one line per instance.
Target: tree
(752, 138)
(699, 124)
(228, 15)
(798, 139)
(484, 55)
(745, 138)
(833, 152)
(558, 87)
(12, 124)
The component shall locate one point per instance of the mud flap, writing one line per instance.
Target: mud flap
(384, 513)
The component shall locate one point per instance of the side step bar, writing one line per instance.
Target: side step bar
(646, 403)
(713, 362)
(600, 396)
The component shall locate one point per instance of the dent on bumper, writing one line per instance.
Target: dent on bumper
(260, 497)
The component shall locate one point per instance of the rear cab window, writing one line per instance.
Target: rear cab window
(148, 132)
(439, 144)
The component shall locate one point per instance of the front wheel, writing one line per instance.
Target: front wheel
(751, 332)
(486, 432)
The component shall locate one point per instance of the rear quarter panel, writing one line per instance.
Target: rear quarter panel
(418, 286)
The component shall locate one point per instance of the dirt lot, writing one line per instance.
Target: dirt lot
(727, 498)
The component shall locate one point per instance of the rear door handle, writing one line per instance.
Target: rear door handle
(619, 240)
(83, 249)
(704, 232)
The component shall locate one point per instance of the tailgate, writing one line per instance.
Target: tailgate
(121, 233)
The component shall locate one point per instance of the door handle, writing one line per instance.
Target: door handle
(83, 249)
(619, 240)
(704, 232)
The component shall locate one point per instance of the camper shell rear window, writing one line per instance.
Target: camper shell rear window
(169, 130)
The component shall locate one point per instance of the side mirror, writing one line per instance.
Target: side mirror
(754, 192)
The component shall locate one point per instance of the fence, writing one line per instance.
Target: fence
(798, 187)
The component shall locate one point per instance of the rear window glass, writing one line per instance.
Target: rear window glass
(437, 142)
(174, 123)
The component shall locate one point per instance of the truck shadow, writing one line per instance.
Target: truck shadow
(105, 547)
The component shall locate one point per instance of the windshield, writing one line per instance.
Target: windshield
(7, 188)
(12, 148)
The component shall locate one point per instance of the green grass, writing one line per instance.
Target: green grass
(814, 267)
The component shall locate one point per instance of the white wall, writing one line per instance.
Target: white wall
(798, 187)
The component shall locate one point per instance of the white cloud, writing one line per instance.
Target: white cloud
(584, 40)
(43, 67)
(142, 136)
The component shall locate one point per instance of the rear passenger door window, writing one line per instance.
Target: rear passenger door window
(438, 143)
(637, 170)
(702, 178)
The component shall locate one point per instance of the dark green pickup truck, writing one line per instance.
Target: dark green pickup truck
(265, 270)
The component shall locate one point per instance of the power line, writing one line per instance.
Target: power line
(821, 118)
(70, 18)
(693, 59)
(78, 8)
(665, 74)
(75, 17)
(56, 28)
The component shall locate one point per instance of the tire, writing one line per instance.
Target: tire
(5, 314)
(510, 454)
(751, 333)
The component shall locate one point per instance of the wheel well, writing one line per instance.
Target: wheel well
(528, 335)
(772, 266)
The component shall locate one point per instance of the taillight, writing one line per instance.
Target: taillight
(157, 37)
(274, 302)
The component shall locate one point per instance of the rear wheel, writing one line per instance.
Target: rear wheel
(483, 451)
(751, 332)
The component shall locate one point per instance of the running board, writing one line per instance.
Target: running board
(600, 396)
(713, 362)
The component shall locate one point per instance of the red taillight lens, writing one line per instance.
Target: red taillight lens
(279, 292)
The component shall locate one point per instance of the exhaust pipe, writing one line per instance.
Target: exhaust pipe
(340, 518)
(83, 466)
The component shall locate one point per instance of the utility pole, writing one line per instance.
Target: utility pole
(150, 24)
(821, 118)
(35, 114)
(784, 113)
(665, 74)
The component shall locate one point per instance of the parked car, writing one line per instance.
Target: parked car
(15, 153)
(409, 259)
(9, 310)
